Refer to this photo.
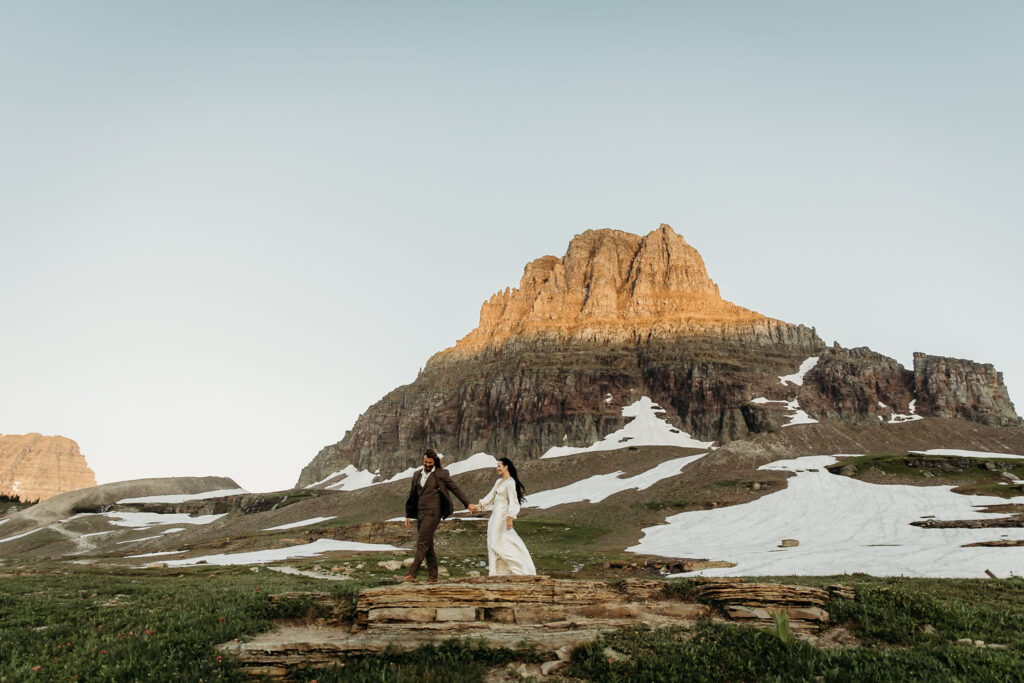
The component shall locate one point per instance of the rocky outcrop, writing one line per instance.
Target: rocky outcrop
(611, 286)
(33, 466)
(536, 612)
(618, 317)
(856, 385)
(953, 387)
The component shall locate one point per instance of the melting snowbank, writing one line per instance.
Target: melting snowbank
(966, 454)
(323, 545)
(645, 429)
(353, 478)
(600, 486)
(305, 522)
(843, 525)
(182, 497)
(797, 377)
(144, 520)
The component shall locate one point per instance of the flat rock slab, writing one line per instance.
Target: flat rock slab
(312, 645)
(511, 612)
(499, 591)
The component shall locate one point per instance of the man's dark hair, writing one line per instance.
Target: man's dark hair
(432, 454)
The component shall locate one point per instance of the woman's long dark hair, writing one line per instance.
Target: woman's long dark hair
(520, 489)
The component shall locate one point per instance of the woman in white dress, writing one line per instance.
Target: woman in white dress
(506, 552)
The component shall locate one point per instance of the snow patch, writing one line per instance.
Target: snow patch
(305, 522)
(354, 479)
(330, 476)
(157, 554)
(844, 525)
(144, 520)
(645, 429)
(12, 538)
(358, 479)
(597, 488)
(896, 418)
(797, 377)
(799, 417)
(138, 540)
(182, 497)
(965, 454)
(477, 461)
(323, 545)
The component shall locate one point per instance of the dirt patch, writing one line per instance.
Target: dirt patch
(833, 638)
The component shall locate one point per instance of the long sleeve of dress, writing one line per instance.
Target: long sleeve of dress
(513, 499)
(488, 501)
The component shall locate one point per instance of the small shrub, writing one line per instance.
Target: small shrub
(782, 630)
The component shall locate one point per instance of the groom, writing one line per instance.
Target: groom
(428, 502)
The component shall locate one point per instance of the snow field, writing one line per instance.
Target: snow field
(843, 525)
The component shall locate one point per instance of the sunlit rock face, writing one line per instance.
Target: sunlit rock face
(612, 286)
(619, 317)
(33, 466)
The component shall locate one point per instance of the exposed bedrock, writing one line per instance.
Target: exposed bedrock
(953, 387)
(37, 467)
(520, 401)
(855, 385)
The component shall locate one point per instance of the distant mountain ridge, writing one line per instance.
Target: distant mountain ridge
(619, 317)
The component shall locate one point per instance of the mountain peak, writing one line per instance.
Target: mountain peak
(609, 284)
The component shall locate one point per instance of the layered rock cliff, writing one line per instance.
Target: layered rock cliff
(612, 286)
(953, 387)
(618, 317)
(33, 466)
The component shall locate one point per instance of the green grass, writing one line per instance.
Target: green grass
(91, 625)
(718, 652)
(659, 505)
(894, 611)
(451, 662)
(14, 503)
(60, 622)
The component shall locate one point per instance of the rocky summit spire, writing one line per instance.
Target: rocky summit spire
(610, 285)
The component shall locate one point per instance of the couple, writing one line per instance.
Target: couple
(428, 503)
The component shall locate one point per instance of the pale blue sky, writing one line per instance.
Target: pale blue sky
(227, 228)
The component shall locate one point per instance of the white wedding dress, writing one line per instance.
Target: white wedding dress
(506, 552)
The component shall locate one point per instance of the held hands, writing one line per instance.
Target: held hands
(474, 508)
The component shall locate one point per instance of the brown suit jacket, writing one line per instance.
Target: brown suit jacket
(429, 497)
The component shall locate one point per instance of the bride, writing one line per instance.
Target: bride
(506, 552)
